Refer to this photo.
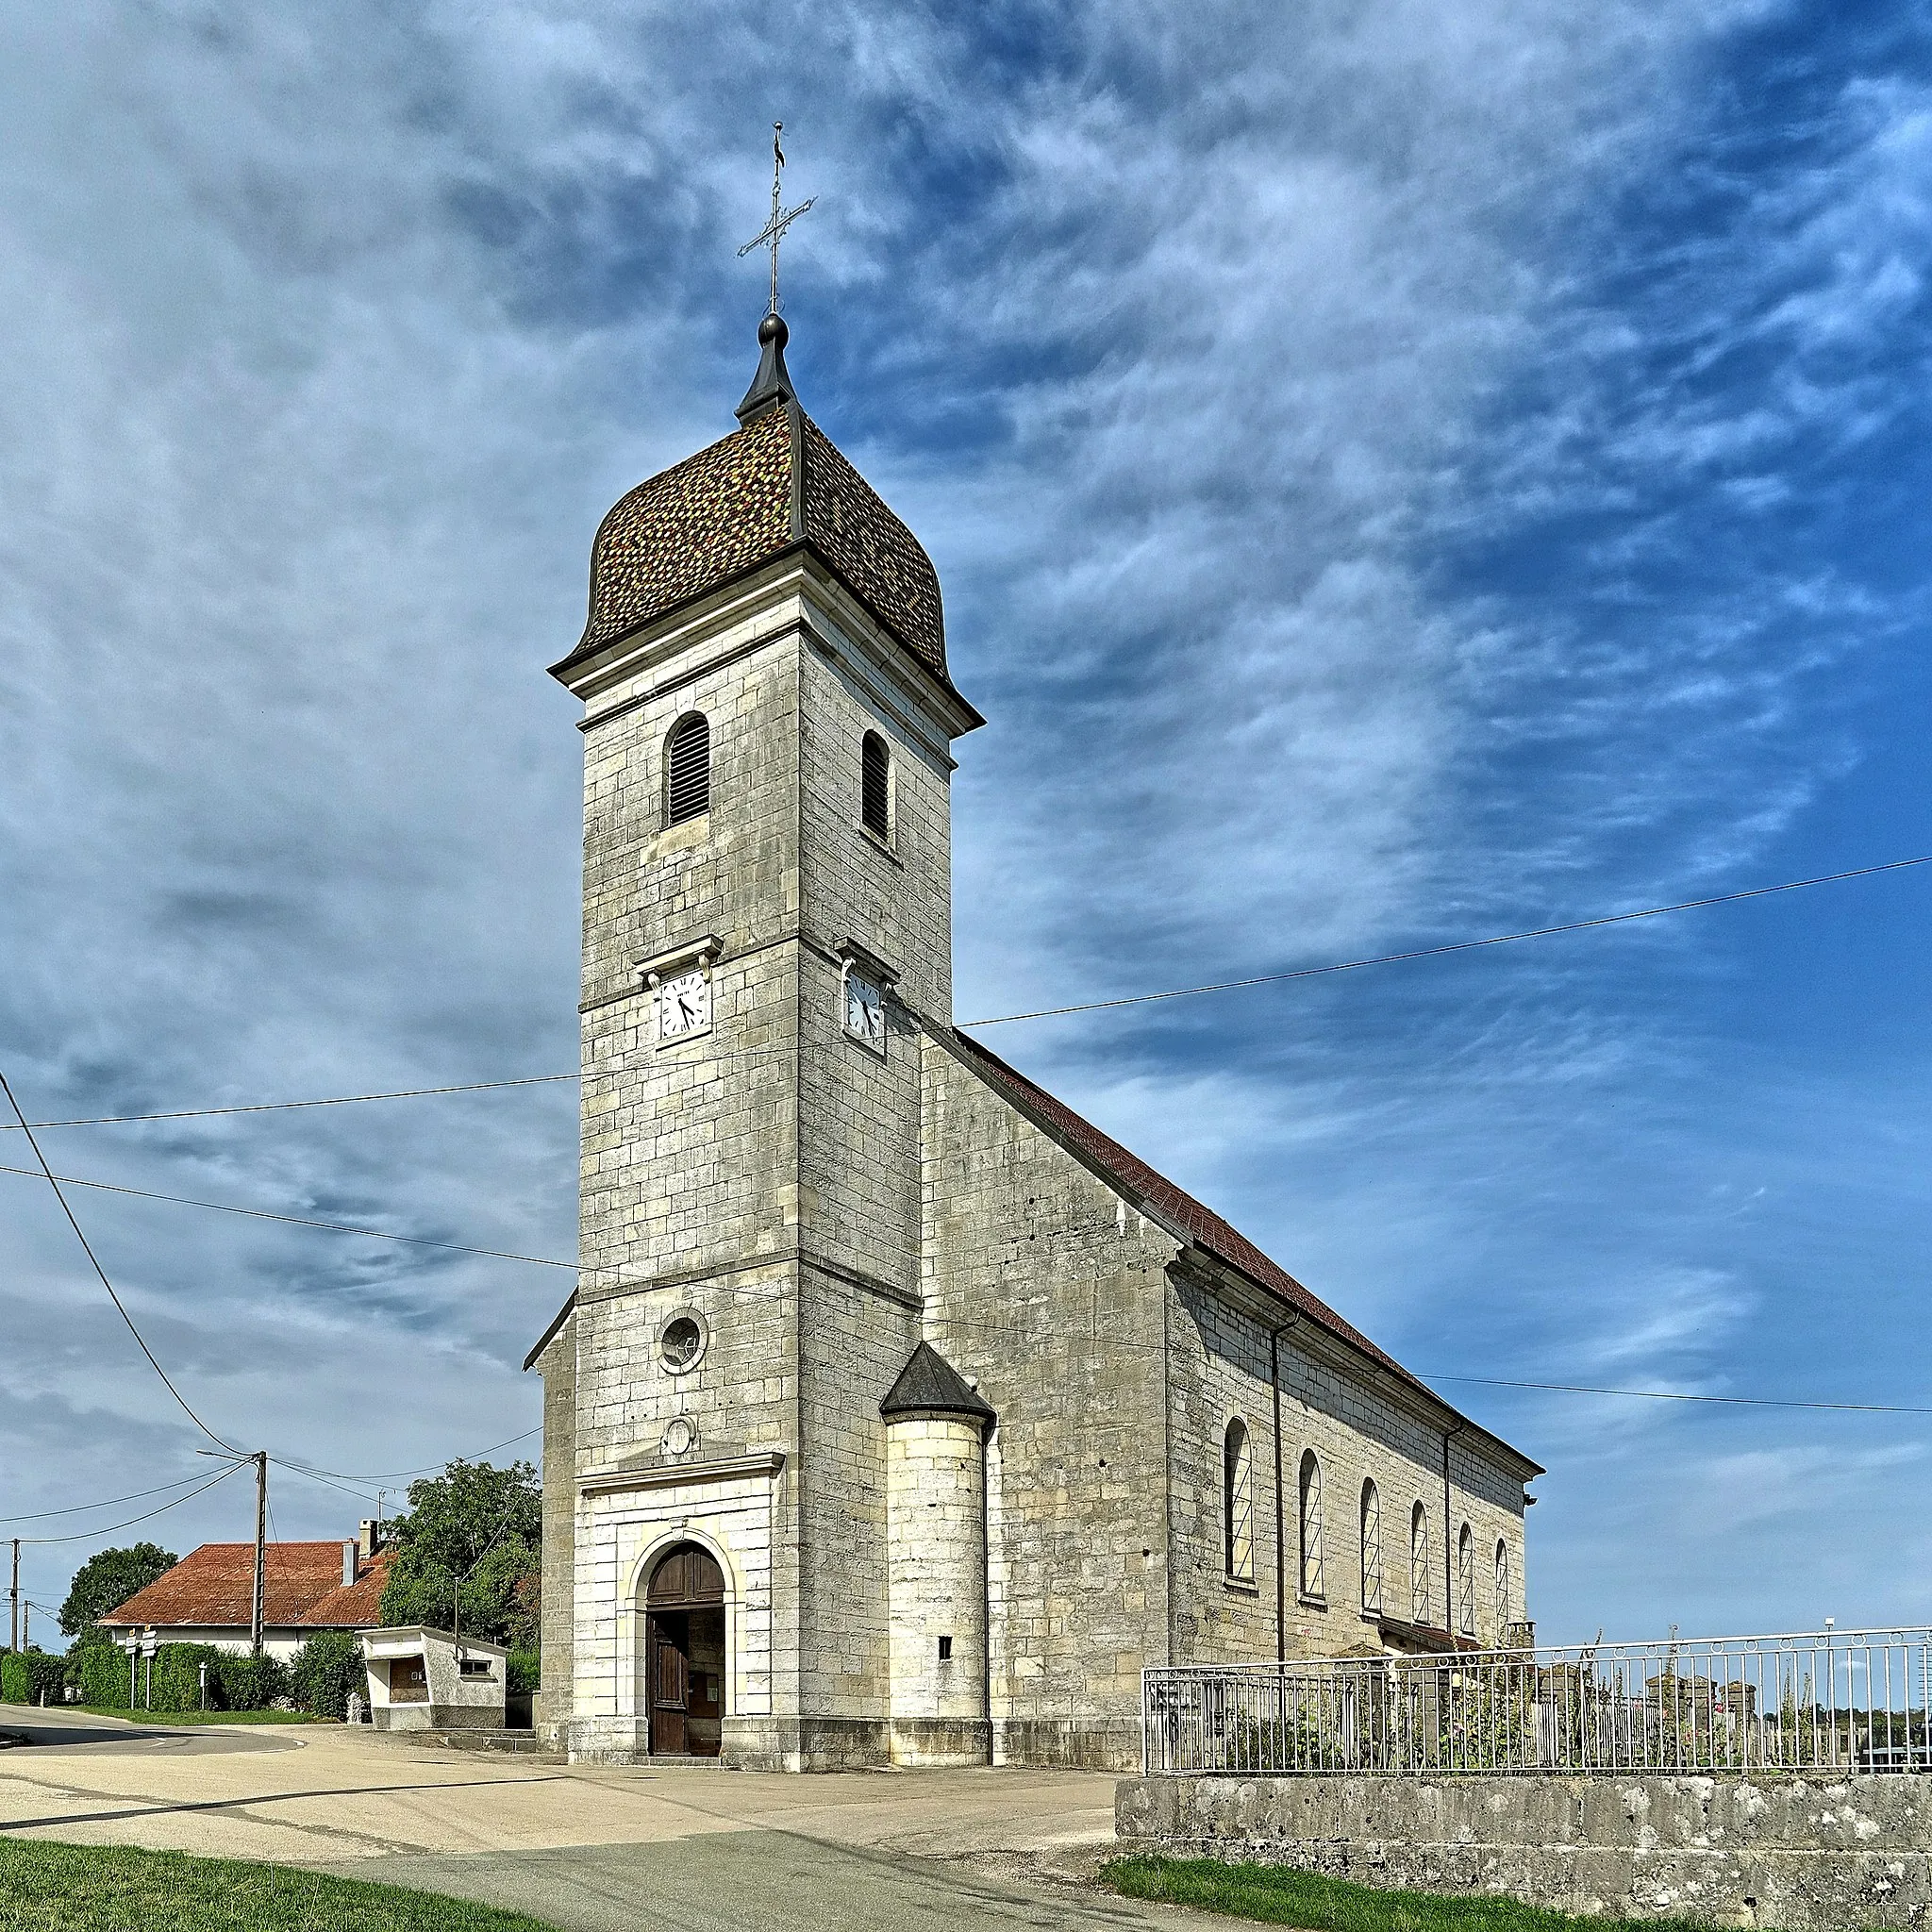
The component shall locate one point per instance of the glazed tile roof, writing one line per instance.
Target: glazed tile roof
(302, 1585)
(775, 483)
(1178, 1208)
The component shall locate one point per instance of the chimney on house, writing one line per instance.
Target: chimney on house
(348, 1564)
(366, 1542)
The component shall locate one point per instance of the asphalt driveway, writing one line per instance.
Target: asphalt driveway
(588, 1848)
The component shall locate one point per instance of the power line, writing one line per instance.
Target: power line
(379, 1234)
(106, 1503)
(195, 1113)
(1501, 938)
(79, 1235)
(188, 1114)
(82, 1536)
(1676, 1395)
(549, 1262)
(427, 1467)
(316, 1476)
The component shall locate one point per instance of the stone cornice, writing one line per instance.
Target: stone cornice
(665, 1476)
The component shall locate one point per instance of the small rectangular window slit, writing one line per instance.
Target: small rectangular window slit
(945, 1650)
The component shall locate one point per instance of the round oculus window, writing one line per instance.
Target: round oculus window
(681, 1344)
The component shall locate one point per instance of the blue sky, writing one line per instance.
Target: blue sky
(1398, 473)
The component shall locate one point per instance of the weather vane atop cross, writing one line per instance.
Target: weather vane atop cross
(773, 230)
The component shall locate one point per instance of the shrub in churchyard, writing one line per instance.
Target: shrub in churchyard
(326, 1670)
(467, 1553)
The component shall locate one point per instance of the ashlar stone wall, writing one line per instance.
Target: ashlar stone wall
(1361, 1428)
(1043, 1286)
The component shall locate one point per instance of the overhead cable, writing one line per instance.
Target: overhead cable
(1501, 938)
(82, 1536)
(550, 1262)
(195, 1113)
(188, 1113)
(53, 1183)
(427, 1467)
(107, 1501)
(1678, 1395)
(381, 1234)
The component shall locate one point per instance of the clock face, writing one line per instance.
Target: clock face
(865, 1013)
(684, 1006)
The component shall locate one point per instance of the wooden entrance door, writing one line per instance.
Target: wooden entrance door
(683, 1633)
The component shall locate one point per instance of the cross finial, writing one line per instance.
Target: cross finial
(782, 217)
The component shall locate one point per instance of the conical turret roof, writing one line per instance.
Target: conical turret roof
(931, 1385)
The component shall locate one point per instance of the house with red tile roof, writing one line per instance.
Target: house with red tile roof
(207, 1597)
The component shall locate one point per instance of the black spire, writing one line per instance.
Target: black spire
(772, 385)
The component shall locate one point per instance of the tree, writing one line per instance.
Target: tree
(108, 1580)
(327, 1671)
(470, 1543)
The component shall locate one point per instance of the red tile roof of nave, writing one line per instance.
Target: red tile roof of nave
(215, 1584)
(1175, 1206)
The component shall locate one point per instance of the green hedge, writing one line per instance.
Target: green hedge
(326, 1670)
(234, 1683)
(177, 1677)
(101, 1670)
(25, 1674)
(251, 1683)
(525, 1672)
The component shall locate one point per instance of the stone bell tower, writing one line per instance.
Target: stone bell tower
(767, 723)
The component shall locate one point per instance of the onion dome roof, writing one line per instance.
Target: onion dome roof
(775, 484)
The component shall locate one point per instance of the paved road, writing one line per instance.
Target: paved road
(589, 1848)
(22, 1724)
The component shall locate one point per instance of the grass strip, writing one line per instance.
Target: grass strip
(1279, 1895)
(45, 1887)
(183, 1717)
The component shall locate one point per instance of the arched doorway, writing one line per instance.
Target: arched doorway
(684, 1653)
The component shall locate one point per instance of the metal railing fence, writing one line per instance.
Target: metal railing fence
(1840, 1701)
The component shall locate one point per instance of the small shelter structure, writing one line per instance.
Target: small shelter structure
(433, 1680)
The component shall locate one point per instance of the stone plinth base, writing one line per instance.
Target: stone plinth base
(1800, 1855)
(436, 1717)
(932, 1743)
(1068, 1744)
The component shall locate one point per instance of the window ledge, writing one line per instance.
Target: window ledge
(1311, 1601)
(882, 846)
(1241, 1585)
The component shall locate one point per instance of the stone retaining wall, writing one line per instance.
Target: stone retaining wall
(1797, 1855)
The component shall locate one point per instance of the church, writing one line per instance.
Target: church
(900, 1415)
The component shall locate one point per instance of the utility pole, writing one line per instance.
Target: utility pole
(260, 1461)
(14, 1627)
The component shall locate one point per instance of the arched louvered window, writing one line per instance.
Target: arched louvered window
(875, 785)
(1504, 1607)
(1237, 1500)
(688, 770)
(1313, 1569)
(1465, 1578)
(1419, 1564)
(1372, 1548)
